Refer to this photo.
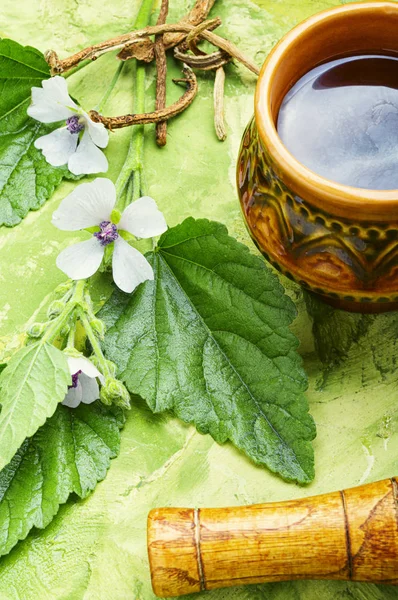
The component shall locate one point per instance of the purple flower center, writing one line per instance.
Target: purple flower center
(75, 380)
(108, 233)
(74, 125)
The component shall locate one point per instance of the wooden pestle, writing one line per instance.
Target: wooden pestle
(350, 535)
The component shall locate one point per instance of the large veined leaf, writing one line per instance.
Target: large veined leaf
(26, 179)
(32, 384)
(209, 339)
(70, 453)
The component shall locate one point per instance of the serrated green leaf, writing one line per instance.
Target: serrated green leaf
(35, 380)
(26, 179)
(70, 453)
(209, 339)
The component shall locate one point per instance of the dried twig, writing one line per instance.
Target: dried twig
(158, 115)
(185, 35)
(203, 61)
(93, 52)
(161, 67)
(219, 104)
(145, 52)
(181, 29)
(183, 47)
(192, 36)
(230, 49)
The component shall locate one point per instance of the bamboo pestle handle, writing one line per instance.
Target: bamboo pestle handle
(350, 535)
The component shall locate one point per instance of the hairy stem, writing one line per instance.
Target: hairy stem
(109, 90)
(133, 161)
(57, 325)
(71, 338)
(94, 344)
(137, 141)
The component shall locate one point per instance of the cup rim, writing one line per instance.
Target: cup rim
(306, 183)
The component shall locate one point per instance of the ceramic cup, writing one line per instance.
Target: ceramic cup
(337, 241)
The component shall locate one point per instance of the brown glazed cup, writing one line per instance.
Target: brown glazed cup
(337, 241)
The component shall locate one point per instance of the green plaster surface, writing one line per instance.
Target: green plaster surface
(96, 549)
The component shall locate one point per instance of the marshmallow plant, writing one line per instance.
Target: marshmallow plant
(198, 327)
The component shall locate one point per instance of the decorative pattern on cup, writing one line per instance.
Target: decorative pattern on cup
(342, 259)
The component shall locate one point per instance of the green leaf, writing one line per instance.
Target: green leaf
(34, 381)
(26, 179)
(209, 339)
(2, 366)
(70, 453)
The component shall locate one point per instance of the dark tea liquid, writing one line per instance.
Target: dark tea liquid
(341, 121)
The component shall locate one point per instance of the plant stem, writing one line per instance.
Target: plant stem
(144, 14)
(56, 326)
(94, 344)
(138, 139)
(134, 159)
(109, 90)
(71, 338)
(81, 65)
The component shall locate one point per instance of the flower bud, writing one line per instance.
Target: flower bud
(55, 309)
(98, 327)
(114, 392)
(36, 330)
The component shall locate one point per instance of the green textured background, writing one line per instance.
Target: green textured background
(96, 549)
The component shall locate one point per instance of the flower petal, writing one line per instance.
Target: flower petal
(56, 88)
(57, 146)
(88, 205)
(90, 389)
(130, 267)
(81, 363)
(97, 132)
(143, 218)
(87, 158)
(81, 260)
(74, 396)
(51, 102)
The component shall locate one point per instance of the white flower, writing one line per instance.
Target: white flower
(78, 143)
(84, 386)
(92, 204)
